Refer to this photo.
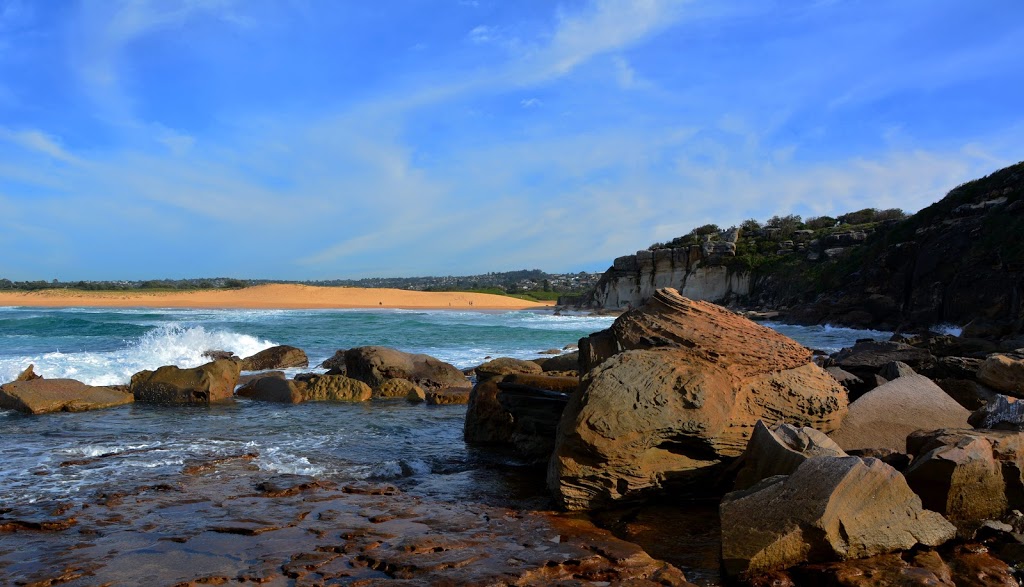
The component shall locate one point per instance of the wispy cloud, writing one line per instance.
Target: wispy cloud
(40, 142)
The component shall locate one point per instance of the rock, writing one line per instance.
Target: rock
(201, 385)
(1002, 413)
(968, 393)
(959, 367)
(855, 386)
(884, 416)
(867, 357)
(960, 479)
(562, 363)
(213, 355)
(28, 374)
(335, 362)
(272, 389)
(375, 364)
(505, 366)
(246, 378)
(416, 394)
(780, 452)
(671, 415)
(830, 508)
(337, 388)
(925, 569)
(277, 357)
(448, 396)
(895, 370)
(487, 421)
(1004, 372)
(39, 396)
(401, 388)
(970, 475)
(551, 352)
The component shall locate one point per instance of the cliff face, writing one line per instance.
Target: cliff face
(694, 271)
(960, 260)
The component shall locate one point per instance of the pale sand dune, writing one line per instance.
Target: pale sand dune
(274, 296)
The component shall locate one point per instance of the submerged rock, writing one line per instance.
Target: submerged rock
(683, 402)
(830, 508)
(39, 396)
(201, 385)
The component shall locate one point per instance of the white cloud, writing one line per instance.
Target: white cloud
(482, 34)
(530, 103)
(38, 141)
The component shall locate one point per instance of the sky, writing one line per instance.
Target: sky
(307, 139)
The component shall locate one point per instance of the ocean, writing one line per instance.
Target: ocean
(70, 458)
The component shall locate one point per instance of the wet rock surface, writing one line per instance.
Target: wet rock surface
(226, 522)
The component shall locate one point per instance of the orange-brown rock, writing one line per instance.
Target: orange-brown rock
(337, 388)
(681, 399)
(1004, 372)
(38, 396)
(402, 388)
(447, 396)
(780, 450)
(207, 383)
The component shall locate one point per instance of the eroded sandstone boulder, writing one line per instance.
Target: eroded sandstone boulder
(883, 417)
(680, 404)
(39, 396)
(401, 388)
(212, 382)
(502, 366)
(277, 357)
(373, 365)
(830, 508)
(337, 388)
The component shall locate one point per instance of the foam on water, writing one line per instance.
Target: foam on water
(168, 344)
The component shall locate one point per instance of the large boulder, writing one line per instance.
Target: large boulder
(201, 385)
(830, 508)
(684, 401)
(400, 388)
(337, 388)
(497, 368)
(968, 475)
(373, 365)
(1004, 372)
(883, 417)
(563, 363)
(779, 451)
(39, 396)
(277, 357)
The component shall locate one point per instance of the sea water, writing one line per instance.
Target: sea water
(74, 456)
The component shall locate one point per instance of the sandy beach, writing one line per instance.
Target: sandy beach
(273, 296)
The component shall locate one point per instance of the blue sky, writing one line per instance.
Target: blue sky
(303, 139)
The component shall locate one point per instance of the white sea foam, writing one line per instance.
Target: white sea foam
(950, 329)
(171, 344)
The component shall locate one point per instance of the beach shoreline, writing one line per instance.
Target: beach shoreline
(271, 297)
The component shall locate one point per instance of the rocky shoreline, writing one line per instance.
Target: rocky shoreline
(685, 435)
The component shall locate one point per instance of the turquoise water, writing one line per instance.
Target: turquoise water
(47, 457)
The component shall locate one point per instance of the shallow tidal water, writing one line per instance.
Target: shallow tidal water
(72, 462)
